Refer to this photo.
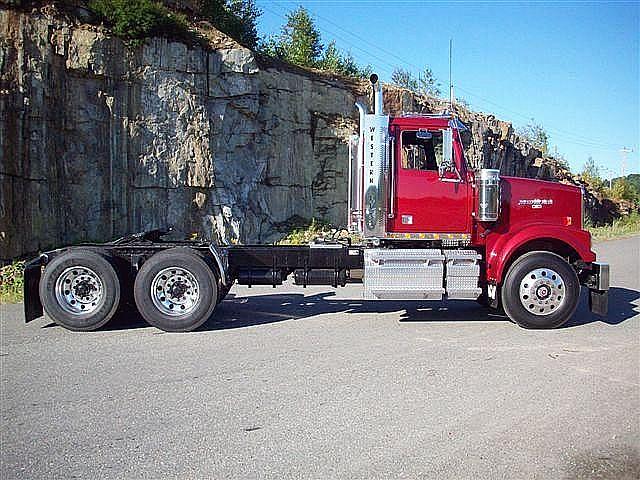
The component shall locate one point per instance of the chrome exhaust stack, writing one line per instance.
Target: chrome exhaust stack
(371, 179)
(356, 174)
(378, 103)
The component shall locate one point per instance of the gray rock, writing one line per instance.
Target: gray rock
(98, 139)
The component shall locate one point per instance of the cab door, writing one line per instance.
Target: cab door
(425, 201)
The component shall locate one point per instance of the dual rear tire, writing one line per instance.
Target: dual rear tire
(80, 289)
(175, 290)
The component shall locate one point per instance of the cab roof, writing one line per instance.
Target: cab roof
(422, 120)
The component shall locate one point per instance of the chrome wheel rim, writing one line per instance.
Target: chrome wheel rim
(175, 291)
(79, 290)
(542, 291)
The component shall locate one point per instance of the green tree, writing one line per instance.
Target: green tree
(427, 83)
(236, 18)
(623, 189)
(591, 169)
(404, 78)
(331, 59)
(536, 135)
(335, 61)
(298, 42)
(591, 175)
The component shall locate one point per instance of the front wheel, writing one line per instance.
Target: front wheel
(540, 290)
(176, 290)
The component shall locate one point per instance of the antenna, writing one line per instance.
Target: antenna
(624, 151)
(451, 96)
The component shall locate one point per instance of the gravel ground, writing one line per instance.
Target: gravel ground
(293, 383)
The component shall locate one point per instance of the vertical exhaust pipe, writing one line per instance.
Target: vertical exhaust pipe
(377, 94)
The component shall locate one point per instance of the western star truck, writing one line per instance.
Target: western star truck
(431, 228)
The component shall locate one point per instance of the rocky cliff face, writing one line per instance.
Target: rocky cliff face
(98, 139)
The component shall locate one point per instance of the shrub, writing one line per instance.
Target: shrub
(11, 282)
(135, 20)
(318, 230)
(621, 227)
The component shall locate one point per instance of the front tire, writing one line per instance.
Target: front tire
(176, 290)
(540, 290)
(80, 290)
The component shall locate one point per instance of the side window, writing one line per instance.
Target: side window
(421, 153)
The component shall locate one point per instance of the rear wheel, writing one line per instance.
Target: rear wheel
(540, 290)
(175, 290)
(80, 290)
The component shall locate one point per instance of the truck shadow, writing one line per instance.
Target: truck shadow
(238, 312)
(624, 304)
(246, 311)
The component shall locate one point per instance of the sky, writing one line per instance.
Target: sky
(571, 66)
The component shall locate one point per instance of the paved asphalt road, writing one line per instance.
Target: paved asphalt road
(312, 384)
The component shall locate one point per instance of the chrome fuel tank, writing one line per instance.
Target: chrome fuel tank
(488, 195)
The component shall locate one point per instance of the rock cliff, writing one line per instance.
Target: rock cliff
(99, 139)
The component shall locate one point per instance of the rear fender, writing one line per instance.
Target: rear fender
(501, 247)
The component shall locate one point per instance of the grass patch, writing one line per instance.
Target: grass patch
(306, 234)
(317, 230)
(11, 282)
(621, 227)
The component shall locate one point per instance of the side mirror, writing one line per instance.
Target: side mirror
(447, 152)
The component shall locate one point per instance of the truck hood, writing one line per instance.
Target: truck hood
(524, 200)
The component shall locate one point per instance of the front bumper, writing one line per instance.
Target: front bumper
(598, 283)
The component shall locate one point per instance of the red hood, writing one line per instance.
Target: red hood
(529, 201)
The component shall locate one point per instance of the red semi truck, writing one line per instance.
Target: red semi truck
(431, 227)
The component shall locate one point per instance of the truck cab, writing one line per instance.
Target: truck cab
(412, 191)
(429, 177)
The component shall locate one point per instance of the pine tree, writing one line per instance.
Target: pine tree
(427, 84)
(298, 41)
(334, 61)
(404, 78)
(331, 59)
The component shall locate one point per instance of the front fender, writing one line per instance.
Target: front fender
(501, 246)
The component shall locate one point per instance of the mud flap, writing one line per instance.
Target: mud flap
(599, 302)
(32, 304)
